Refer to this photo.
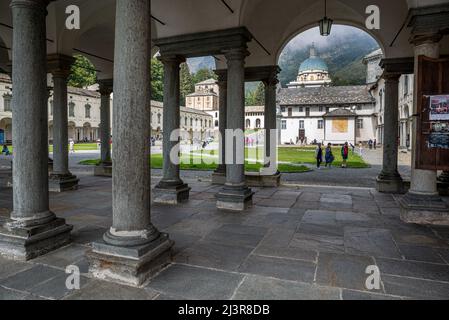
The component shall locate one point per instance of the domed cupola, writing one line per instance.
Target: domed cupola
(313, 72)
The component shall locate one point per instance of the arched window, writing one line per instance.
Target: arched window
(7, 102)
(87, 108)
(257, 123)
(159, 118)
(248, 123)
(191, 122)
(216, 123)
(71, 109)
(185, 121)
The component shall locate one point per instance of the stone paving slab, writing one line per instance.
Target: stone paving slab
(196, 283)
(262, 288)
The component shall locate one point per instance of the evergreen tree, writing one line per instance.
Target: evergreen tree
(186, 83)
(83, 73)
(157, 80)
(256, 97)
(204, 74)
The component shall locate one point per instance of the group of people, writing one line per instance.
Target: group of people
(329, 156)
(5, 150)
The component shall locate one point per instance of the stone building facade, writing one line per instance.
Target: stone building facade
(83, 113)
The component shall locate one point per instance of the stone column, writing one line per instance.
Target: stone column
(389, 180)
(60, 179)
(32, 229)
(235, 195)
(133, 249)
(105, 166)
(270, 170)
(422, 203)
(219, 176)
(171, 189)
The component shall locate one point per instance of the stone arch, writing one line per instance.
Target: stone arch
(6, 126)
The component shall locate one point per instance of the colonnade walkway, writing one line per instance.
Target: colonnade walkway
(294, 243)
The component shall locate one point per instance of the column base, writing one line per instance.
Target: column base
(50, 164)
(129, 265)
(172, 195)
(254, 179)
(425, 210)
(103, 170)
(218, 178)
(390, 184)
(234, 198)
(61, 183)
(28, 242)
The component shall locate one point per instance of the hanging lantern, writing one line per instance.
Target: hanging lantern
(325, 23)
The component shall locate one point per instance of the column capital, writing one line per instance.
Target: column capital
(37, 4)
(236, 54)
(428, 38)
(171, 59)
(106, 86)
(59, 65)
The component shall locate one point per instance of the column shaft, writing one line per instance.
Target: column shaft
(270, 115)
(105, 118)
(30, 113)
(390, 148)
(223, 89)
(60, 124)
(131, 122)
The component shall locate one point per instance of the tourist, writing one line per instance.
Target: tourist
(345, 155)
(360, 149)
(5, 150)
(72, 146)
(375, 144)
(329, 157)
(319, 156)
(370, 144)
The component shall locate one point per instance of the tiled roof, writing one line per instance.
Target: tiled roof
(83, 92)
(158, 104)
(202, 94)
(208, 81)
(325, 95)
(340, 113)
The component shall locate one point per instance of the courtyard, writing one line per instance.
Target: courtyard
(299, 241)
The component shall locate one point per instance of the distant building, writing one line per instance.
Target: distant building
(195, 125)
(313, 72)
(205, 98)
(83, 113)
(377, 89)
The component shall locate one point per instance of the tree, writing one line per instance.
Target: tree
(83, 73)
(204, 74)
(256, 97)
(186, 86)
(157, 80)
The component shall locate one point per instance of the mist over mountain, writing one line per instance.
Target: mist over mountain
(343, 52)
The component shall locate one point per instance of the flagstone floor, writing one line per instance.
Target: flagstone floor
(295, 243)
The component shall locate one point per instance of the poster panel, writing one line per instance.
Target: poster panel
(340, 126)
(439, 108)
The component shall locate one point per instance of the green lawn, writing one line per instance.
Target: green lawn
(292, 159)
(78, 147)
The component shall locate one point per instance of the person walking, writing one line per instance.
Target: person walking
(319, 156)
(72, 146)
(375, 144)
(345, 155)
(5, 150)
(329, 157)
(360, 149)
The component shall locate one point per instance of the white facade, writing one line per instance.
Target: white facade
(83, 113)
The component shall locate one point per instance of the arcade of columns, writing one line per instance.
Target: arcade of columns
(133, 250)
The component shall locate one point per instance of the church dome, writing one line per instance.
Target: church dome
(313, 63)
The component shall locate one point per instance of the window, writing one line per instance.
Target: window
(327, 109)
(359, 123)
(320, 109)
(290, 112)
(7, 102)
(320, 124)
(201, 122)
(159, 118)
(87, 108)
(216, 123)
(51, 107)
(257, 123)
(191, 122)
(284, 124)
(307, 112)
(248, 123)
(359, 108)
(282, 109)
(71, 109)
(196, 122)
(301, 109)
(301, 124)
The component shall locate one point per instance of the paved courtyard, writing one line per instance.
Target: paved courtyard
(295, 243)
